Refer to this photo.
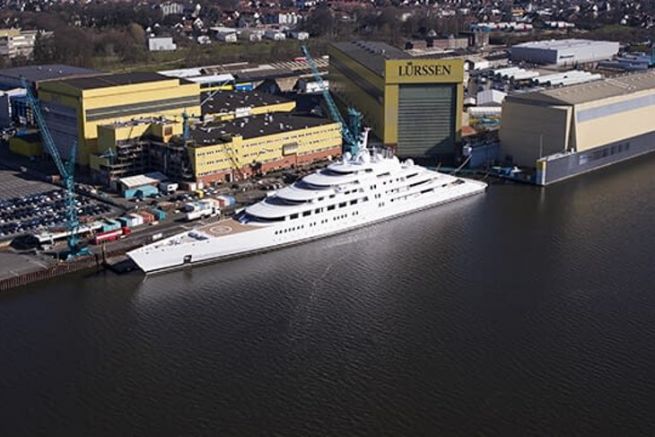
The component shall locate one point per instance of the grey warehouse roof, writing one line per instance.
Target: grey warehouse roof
(589, 92)
(36, 73)
(109, 80)
(559, 44)
(251, 127)
(227, 101)
(371, 54)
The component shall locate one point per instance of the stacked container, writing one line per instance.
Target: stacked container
(124, 221)
(110, 225)
(147, 217)
(158, 213)
(225, 201)
(137, 219)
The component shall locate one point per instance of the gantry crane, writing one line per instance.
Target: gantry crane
(350, 132)
(67, 172)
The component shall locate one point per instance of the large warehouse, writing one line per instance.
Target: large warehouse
(412, 104)
(564, 51)
(75, 107)
(567, 131)
(216, 151)
(237, 149)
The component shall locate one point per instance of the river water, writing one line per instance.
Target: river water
(520, 312)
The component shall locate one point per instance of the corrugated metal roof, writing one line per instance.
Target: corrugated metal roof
(117, 79)
(143, 179)
(35, 73)
(371, 54)
(560, 44)
(589, 92)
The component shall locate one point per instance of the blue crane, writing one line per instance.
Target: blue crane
(350, 132)
(66, 170)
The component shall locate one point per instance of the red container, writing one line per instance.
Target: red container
(147, 217)
(110, 235)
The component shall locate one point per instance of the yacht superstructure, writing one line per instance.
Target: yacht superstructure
(353, 192)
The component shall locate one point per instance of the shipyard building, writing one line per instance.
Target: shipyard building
(14, 108)
(564, 52)
(75, 108)
(412, 104)
(215, 151)
(133, 123)
(571, 130)
(237, 149)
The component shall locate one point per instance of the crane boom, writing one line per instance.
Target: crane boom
(45, 132)
(349, 137)
(66, 170)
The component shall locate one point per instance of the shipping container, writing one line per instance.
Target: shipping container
(147, 217)
(110, 225)
(124, 221)
(168, 187)
(158, 213)
(137, 220)
(246, 86)
(226, 201)
(111, 235)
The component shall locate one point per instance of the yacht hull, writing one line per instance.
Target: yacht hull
(259, 239)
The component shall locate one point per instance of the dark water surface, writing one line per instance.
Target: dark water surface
(521, 312)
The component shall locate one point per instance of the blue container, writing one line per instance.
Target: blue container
(158, 213)
(124, 221)
(110, 225)
(248, 86)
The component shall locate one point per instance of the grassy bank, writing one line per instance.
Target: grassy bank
(211, 54)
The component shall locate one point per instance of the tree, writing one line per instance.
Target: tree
(320, 22)
(136, 33)
(43, 49)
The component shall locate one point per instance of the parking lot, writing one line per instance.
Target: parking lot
(28, 206)
(13, 184)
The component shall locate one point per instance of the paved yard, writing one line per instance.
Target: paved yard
(13, 184)
(12, 264)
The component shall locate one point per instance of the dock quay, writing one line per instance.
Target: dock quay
(32, 272)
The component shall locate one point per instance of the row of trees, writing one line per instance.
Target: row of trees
(79, 46)
(388, 23)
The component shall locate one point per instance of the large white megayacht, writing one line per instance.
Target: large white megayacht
(355, 191)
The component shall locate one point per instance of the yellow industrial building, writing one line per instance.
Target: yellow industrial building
(571, 130)
(236, 149)
(127, 124)
(75, 108)
(28, 145)
(411, 104)
(122, 146)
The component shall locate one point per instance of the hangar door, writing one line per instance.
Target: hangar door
(426, 120)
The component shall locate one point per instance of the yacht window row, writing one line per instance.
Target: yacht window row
(310, 225)
(307, 213)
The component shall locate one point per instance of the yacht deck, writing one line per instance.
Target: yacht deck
(225, 227)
